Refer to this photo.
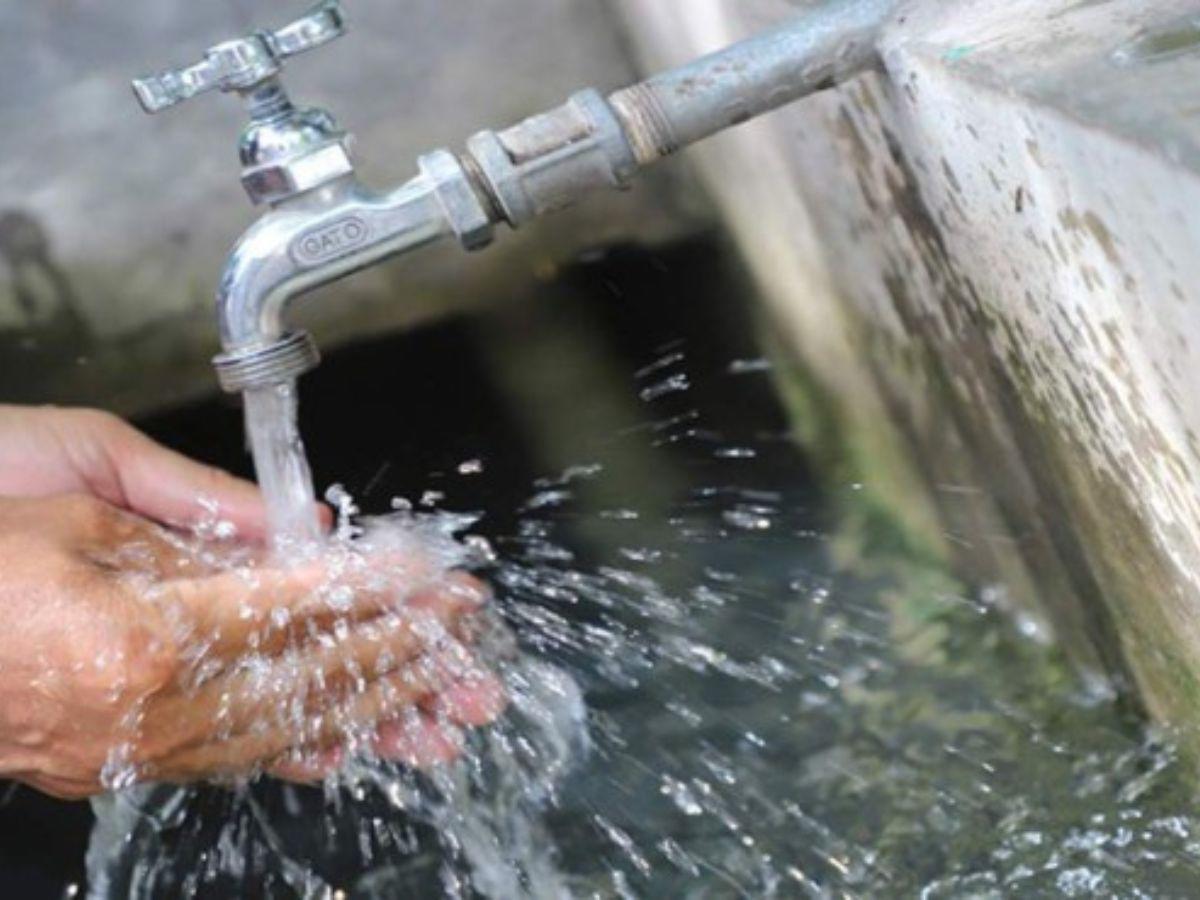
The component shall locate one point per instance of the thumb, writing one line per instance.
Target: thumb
(145, 477)
(166, 486)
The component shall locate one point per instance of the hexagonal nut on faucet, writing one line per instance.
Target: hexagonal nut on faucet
(458, 198)
(280, 179)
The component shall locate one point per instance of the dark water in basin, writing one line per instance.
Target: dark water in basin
(817, 728)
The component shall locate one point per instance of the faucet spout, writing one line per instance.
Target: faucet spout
(320, 236)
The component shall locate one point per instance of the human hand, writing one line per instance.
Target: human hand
(119, 658)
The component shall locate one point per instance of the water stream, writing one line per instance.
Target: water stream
(272, 431)
(716, 689)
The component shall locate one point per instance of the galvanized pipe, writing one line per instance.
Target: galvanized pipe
(674, 109)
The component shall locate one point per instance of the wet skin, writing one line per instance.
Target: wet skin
(124, 647)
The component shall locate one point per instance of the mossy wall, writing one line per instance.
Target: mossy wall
(981, 263)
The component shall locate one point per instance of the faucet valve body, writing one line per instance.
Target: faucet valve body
(285, 151)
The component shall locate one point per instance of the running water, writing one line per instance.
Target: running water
(485, 809)
(273, 433)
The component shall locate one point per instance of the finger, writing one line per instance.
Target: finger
(283, 693)
(170, 488)
(418, 740)
(473, 701)
(270, 609)
(244, 610)
(307, 765)
(225, 614)
(454, 587)
(349, 724)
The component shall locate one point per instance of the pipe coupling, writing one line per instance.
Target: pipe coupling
(257, 367)
(548, 161)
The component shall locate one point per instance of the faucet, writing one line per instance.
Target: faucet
(322, 223)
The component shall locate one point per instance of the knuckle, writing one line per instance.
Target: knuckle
(150, 662)
(104, 430)
(146, 753)
(126, 663)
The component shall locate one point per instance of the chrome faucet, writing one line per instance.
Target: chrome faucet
(323, 223)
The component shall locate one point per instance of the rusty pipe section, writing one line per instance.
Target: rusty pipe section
(814, 51)
(550, 160)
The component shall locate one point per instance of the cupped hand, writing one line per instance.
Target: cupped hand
(126, 656)
(120, 662)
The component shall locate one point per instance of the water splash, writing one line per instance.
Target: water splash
(484, 809)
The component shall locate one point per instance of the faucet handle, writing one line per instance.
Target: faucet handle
(317, 27)
(244, 63)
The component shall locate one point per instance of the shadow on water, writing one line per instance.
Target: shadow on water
(803, 730)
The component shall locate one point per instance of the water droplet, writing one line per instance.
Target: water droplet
(735, 453)
(746, 366)
(746, 520)
(481, 546)
(432, 498)
(673, 385)
(681, 795)
(470, 467)
(547, 498)
(658, 365)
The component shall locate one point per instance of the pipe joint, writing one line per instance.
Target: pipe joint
(550, 160)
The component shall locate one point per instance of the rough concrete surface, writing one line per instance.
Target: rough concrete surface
(985, 257)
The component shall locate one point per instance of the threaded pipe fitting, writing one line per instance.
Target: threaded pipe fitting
(285, 360)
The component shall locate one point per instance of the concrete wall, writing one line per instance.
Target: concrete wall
(985, 262)
(114, 225)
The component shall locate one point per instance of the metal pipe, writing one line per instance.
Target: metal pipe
(552, 159)
(817, 50)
